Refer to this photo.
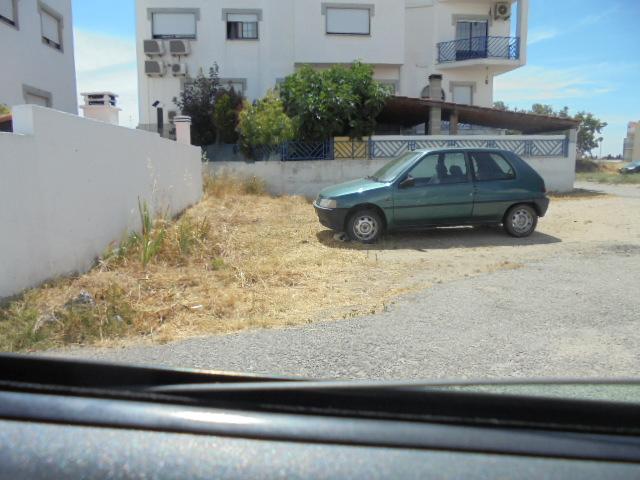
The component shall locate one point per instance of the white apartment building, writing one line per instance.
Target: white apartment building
(631, 148)
(257, 43)
(36, 47)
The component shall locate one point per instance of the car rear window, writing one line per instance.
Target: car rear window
(491, 166)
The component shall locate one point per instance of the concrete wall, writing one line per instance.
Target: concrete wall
(307, 178)
(69, 187)
(28, 63)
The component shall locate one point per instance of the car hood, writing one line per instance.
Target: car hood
(349, 188)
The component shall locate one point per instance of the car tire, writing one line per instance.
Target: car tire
(365, 226)
(520, 221)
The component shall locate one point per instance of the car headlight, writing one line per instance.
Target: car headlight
(327, 203)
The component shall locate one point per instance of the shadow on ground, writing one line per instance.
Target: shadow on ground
(441, 238)
(579, 193)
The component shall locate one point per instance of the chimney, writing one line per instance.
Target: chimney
(101, 106)
(435, 113)
(183, 129)
(435, 87)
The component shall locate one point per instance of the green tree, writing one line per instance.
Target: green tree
(589, 132)
(500, 105)
(338, 101)
(197, 100)
(264, 123)
(4, 110)
(225, 115)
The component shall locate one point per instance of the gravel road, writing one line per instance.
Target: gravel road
(575, 312)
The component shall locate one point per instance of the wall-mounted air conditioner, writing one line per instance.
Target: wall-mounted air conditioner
(502, 10)
(179, 47)
(179, 69)
(154, 68)
(153, 47)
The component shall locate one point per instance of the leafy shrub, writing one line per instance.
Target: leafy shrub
(338, 101)
(225, 115)
(264, 124)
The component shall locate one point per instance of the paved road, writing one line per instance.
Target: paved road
(576, 315)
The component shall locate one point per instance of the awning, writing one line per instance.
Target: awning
(409, 112)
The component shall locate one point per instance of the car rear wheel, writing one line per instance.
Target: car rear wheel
(365, 226)
(520, 221)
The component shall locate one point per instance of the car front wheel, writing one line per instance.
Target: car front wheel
(520, 221)
(365, 226)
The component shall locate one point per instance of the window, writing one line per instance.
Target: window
(491, 166)
(441, 168)
(173, 25)
(8, 12)
(425, 170)
(462, 94)
(391, 85)
(239, 85)
(471, 39)
(51, 26)
(242, 26)
(348, 21)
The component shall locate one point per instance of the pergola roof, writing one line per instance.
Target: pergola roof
(409, 112)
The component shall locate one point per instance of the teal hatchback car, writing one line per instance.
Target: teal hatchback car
(432, 188)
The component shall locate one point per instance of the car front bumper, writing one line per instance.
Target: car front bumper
(542, 205)
(333, 218)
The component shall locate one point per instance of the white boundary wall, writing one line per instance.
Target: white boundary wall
(69, 188)
(307, 178)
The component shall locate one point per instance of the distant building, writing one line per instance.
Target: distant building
(36, 47)
(257, 43)
(631, 149)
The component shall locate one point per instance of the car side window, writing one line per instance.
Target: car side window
(425, 171)
(452, 168)
(491, 166)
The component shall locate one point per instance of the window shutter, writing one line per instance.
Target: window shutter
(462, 94)
(353, 21)
(50, 27)
(244, 18)
(174, 25)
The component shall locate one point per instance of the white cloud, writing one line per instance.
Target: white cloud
(536, 36)
(108, 63)
(540, 84)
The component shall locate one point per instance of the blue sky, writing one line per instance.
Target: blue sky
(582, 53)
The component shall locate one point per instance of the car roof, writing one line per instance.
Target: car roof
(460, 149)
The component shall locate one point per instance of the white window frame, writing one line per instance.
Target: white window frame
(14, 12)
(327, 7)
(46, 10)
(227, 13)
(168, 11)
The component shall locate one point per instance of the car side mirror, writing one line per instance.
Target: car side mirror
(407, 182)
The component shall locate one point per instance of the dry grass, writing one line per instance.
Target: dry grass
(239, 259)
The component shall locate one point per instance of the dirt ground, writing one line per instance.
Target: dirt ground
(282, 268)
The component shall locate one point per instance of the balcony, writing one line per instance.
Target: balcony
(479, 50)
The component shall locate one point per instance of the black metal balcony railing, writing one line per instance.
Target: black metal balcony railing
(507, 48)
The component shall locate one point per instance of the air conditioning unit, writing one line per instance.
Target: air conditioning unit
(179, 69)
(153, 47)
(179, 47)
(154, 68)
(502, 10)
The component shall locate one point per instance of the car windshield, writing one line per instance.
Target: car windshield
(230, 192)
(391, 170)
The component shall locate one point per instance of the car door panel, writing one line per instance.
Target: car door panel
(441, 198)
